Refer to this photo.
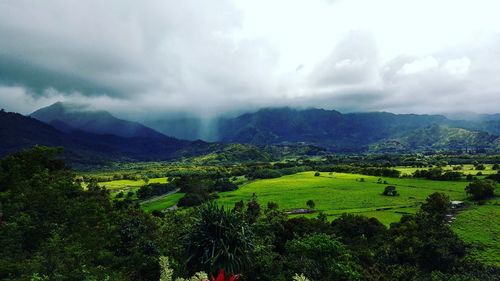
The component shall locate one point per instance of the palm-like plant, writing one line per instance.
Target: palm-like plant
(218, 239)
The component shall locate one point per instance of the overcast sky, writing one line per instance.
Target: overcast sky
(145, 58)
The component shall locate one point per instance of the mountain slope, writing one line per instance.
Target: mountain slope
(68, 117)
(440, 137)
(328, 128)
(18, 131)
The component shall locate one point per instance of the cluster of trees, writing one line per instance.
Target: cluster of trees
(370, 171)
(154, 189)
(274, 171)
(199, 189)
(438, 174)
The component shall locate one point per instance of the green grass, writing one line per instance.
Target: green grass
(343, 193)
(163, 203)
(480, 226)
(126, 184)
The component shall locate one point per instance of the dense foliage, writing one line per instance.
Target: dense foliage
(51, 228)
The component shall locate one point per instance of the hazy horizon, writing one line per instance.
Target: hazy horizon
(146, 60)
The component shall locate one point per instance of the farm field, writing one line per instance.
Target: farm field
(126, 184)
(480, 226)
(339, 193)
(467, 169)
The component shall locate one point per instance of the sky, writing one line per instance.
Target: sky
(146, 59)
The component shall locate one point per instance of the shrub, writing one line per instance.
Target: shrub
(479, 167)
(317, 174)
(390, 190)
(479, 190)
(310, 203)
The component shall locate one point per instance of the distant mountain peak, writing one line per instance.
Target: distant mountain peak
(67, 116)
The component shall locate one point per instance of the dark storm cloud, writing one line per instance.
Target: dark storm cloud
(18, 72)
(135, 56)
(149, 58)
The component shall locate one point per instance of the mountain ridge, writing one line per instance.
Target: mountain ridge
(67, 118)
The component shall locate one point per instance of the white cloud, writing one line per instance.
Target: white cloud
(458, 66)
(418, 65)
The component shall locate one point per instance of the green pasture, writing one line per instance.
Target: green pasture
(162, 203)
(127, 184)
(479, 225)
(344, 193)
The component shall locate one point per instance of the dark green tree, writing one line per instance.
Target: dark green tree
(321, 257)
(479, 190)
(310, 204)
(390, 190)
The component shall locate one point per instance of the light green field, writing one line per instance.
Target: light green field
(127, 184)
(466, 170)
(480, 226)
(163, 203)
(343, 193)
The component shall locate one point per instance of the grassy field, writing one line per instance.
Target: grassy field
(480, 226)
(339, 193)
(162, 203)
(466, 169)
(129, 184)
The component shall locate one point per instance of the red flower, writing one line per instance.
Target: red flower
(222, 277)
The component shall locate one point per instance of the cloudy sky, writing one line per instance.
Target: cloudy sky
(144, 58)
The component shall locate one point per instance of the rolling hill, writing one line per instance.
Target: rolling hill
(338, 132)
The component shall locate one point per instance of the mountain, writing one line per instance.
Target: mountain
(18, 131)
(353, 132)
(439, 137)
(67, 117)
(276, 128)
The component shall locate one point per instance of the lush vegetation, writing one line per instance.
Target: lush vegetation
(56, 224)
